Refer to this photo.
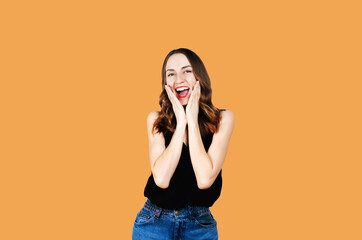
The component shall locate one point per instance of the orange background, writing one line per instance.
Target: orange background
(78, 79)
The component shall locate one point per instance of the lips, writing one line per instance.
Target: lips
(182, 91)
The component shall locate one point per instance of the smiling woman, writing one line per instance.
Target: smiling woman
(188, 141)
(179, 76)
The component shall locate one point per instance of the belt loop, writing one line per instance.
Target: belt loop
(189, 208)
(158, 212)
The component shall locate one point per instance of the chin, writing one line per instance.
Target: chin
(184, 102)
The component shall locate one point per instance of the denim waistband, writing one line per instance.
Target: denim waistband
(180, 213)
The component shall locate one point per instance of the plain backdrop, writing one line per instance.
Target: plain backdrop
(78, 79)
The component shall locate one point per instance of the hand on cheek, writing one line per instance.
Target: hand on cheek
(192, 109)
(176, 106)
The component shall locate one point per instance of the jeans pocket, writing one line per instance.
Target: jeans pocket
(205, 220)
(144, 216)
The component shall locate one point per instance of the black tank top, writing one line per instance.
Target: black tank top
(182, 190)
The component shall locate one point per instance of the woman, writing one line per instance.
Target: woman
(188, 141)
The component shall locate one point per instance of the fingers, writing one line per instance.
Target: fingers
(174, 101)
(192, 109)
(191, 96)
(199, 87)
(176, 106)
(198, 90)
(170, 95)
(195, 95)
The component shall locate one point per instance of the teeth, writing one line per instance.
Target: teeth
(181, 89)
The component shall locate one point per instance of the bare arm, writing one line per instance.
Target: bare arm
(164, 160)
(208, 165)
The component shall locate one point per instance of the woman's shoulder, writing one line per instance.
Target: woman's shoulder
(227, 116)
(151, 118)
(153, 115)
(225, 111)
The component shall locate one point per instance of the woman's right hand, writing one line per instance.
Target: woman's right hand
(178, 109)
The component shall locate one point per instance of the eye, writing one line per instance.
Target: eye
(188, 71)
(170, 74)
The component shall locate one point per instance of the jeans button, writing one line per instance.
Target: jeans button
(177, 212)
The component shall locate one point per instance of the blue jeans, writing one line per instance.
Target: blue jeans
(155, 223)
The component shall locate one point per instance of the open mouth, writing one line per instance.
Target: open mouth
(182, 92)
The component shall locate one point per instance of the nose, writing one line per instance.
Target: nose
(180, 78)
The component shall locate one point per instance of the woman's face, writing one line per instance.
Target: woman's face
(180, 77)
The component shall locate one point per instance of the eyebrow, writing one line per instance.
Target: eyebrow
(181, 68)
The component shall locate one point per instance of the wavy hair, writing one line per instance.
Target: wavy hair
(209, 116)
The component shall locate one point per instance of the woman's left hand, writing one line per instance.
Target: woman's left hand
(192, 108)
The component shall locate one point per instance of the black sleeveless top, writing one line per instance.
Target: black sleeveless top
(182, 190)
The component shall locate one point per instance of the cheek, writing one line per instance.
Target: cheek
(192, 81)
(169, 81)
(193, 85)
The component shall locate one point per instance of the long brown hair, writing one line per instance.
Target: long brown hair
(209, 116)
